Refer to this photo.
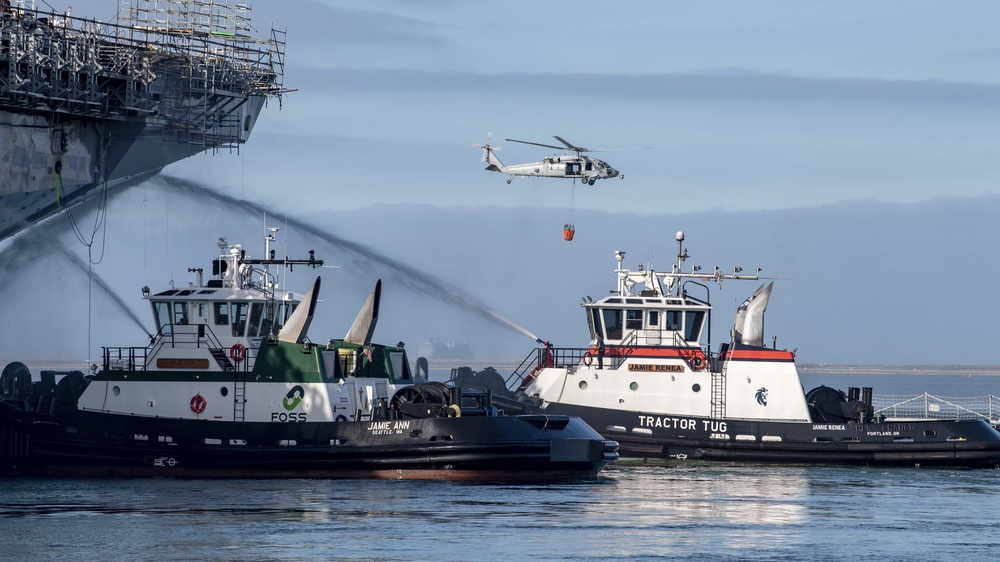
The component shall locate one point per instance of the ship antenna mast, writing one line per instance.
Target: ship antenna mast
(622, 274)
(682, 255)
(268, 238)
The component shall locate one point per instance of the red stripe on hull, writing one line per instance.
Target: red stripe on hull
(758, 355)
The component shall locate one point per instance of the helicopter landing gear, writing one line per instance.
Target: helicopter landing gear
(591, 181)
(510, 180)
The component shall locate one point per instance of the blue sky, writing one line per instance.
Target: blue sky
(795, 106)
(747, 105)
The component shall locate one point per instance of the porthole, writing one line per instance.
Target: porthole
(634, 385)
(929, 433)
(116, 390)
(583, 385)
(696, 387)
(224, 391)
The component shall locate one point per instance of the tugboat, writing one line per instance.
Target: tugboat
(231, 386)
(648, 381)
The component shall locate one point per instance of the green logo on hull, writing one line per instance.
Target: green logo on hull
(292, 399)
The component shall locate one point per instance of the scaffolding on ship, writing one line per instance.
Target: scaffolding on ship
(186, 65)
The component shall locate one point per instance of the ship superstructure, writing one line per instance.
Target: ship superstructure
(231, 386)
(650, 380)
(86, 106)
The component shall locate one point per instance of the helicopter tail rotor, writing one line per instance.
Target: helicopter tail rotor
(487, 148)
(495, 165)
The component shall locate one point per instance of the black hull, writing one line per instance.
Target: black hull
(925, 443)
(462, 448)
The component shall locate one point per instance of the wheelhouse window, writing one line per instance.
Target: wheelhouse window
(238, 312)
(161, 311)
(692, 324)
(221, 313)
(285, 310)
(673, 320)
(654, 319)
(181, 313)
(268, 323)
(613, 323)
(256, 311)
(633, 319)
(594, 322)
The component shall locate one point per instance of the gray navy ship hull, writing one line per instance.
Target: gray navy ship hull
(87, 106)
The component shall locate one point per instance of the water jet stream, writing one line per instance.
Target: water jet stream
(411, 276)
(29, 247)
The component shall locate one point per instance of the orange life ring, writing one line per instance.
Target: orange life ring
(238, 352)
(697, 363)
(588, 359)
(198, 403)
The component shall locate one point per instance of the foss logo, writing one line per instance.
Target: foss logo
(290, 402)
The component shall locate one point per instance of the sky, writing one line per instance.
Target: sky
(750, 108)
(746, 104)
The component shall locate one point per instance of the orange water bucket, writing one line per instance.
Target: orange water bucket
(568, 232)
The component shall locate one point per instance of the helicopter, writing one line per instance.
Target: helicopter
(575, 166)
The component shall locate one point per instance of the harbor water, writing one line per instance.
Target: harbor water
(634, 510)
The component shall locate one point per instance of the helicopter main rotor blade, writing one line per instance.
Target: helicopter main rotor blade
(570, 146)
(614, 149)
(536, 144)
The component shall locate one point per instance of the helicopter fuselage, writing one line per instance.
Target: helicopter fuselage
(575, 166)
(583, 168)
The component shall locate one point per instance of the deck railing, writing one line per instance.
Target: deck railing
(176, 336)
(939, 407)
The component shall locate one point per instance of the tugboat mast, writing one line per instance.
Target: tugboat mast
(658, 284)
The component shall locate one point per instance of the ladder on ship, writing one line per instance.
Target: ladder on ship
(239, 396)
(719, 392)
(221, 358)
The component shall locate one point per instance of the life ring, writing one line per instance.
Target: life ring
(198, 403)
(238, 352)
(588, 359)
(697, 363)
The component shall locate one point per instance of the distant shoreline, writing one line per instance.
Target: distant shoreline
(824, 368)
(509, 365)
